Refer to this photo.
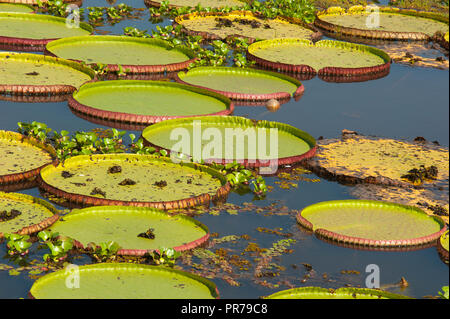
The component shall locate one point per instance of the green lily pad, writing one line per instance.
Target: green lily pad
(124, 224)
(341, 293)
(319, 55)
(29, 214)
(194, 3)
(39, 71)
(15, 7)
(243, 23)
(145, 54)
(371, 223)
(242, 83)
(38, 26)
(232, 138)
(130, 179)
(21, 158)
(120, 281)
(138, 101)
(442, 246)
(389, 20)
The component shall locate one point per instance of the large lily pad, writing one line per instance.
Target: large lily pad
(393, 23)
(21, 157)
(33, 74)
(15, 7)
(245, 24)
(120, 281)
(324, 57)
(341, 293)
(362, 159)
(27, 214)
(194, 3)
(134, 55)
(146, 102)
(31, 32)
(243, 84)
(371, 223)
(223, 139)
(135, 180)
(124, 224)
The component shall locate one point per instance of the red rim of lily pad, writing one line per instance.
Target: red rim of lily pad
(131, 69)
(210, 36)
(34, 45)
(378, 34)
(42, 90)
(37, 227)
(350, 241)
(24, 177)
(85, 200)
(233, 120)
(142, 252)
(236, 96)
(325, 72)
(138, 119)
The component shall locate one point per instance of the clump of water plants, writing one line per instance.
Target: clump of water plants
(164, 256)
(59, 246)
(18, 245)
(103, 252)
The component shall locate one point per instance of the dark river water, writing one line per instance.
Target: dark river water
(409, 102)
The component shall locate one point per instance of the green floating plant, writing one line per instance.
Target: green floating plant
(59, 246)
(17, 244)
(165, 256)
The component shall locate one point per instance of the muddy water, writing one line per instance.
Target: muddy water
(409, 102)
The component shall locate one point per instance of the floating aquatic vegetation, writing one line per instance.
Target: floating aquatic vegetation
(31, 32)
(22, 158)
(442, 246)
(326, 58)
(341, 293)
(93, 185)
(146, 102)
(24, 214)
(394, 23)
(293, 145)
(39, 75)
(215, 25)
(194, 3)
(369, 224)
(125, 280)
(243, 84)
(138, 231)
(134, 55)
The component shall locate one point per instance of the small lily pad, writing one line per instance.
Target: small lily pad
(442, 246)
(34, 214)
(120, 281)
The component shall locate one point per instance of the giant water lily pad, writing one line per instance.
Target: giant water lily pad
(146, 102)
(324, 57)
(243, 23)
(31, 32)
(341, 293)
(135, 180)
(21, 157)
(387, 23)
(125, 225)
(442, 246)
(194, 3)
(363, 159)
(134, 55)
(32, 74)
(371, 223)
(243, 84)
(24, 214)
(15, 7)
(125, 281)
(223, 139)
